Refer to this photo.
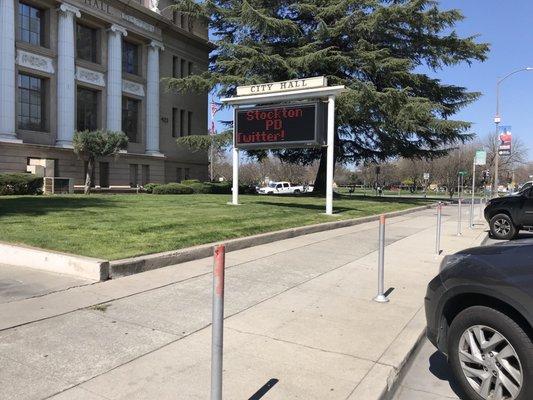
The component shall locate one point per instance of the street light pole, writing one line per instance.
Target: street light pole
(497, 120)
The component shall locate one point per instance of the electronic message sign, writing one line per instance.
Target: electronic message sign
(281, 126)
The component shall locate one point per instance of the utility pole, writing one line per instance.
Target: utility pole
(497, 120)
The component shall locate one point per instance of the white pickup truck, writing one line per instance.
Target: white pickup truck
(284, 188)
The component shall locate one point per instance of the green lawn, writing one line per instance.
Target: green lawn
(119, 226)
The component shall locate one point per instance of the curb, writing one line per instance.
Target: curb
(54, 261)
(135, 265)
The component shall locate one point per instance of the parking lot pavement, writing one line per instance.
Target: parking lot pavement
(428, 377)
(18, 283)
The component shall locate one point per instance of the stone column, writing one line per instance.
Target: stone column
(7, 72)
(66, 73)
(114, 77)
(152, 99)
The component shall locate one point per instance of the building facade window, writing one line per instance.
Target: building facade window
(130, 58)
(175, 67)
(190, 68)
(179, 174)
(86, 43)
(134, 175)
(182, 123)
(87, 110)
(104, 174)
(189, 123)
(187, 173)
(31, 99)
(31, 25)
(183, 67)
(175, 122)
(145, 176)
(130, 118)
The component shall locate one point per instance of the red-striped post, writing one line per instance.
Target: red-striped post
(219, 261)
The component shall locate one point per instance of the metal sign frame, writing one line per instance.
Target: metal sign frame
(321, 93)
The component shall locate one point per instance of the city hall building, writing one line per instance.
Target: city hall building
(98, 64)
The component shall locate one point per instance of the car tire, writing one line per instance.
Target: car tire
(515, 342)
(297, 191)
(502, 227)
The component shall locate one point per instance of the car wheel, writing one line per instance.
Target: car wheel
(502, 227)
(490, 355)
(297, 191)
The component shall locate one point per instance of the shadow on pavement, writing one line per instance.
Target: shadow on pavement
(438, 366)
(264, 389)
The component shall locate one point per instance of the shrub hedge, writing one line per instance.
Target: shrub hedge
(195, 186)
(20, 184)
(149, 187)
(172, 188)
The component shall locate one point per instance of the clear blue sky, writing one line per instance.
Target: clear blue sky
(507, 27)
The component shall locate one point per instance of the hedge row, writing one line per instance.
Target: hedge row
(20, 184)
(194, 186)
(172, 188)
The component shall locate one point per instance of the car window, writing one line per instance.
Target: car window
(285, 185)
(278, 186)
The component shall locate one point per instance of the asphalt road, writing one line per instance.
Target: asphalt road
(428, 376)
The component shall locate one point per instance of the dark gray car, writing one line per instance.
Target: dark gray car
(479, 312)
(509, 214)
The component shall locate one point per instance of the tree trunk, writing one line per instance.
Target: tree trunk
(320, 180)
(88, 183)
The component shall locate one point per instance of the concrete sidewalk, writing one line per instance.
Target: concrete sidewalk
(300, 322)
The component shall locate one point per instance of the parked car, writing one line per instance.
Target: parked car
(283, 188)
(524, 186)
(507, 215)
(479, 312)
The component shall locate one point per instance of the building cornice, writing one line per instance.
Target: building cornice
(165, 23)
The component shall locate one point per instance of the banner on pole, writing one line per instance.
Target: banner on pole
(481, 157)
(506, 137)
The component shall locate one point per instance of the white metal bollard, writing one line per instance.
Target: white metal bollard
(219, 260)
(439, 228)
(459, 217)
(381, 298)
(471, 215)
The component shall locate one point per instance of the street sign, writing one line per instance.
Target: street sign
(463, 173)
(283, 126)
(426, 176)
(276, 87)
(481, 157)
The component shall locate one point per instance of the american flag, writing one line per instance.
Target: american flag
(214, 109)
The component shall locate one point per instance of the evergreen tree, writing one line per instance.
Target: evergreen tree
(376, 48)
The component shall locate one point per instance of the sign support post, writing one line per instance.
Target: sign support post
(235, 190)
(330, 155)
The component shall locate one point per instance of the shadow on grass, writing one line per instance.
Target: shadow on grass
(384, 199)
(42, 205)
(314, 207)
